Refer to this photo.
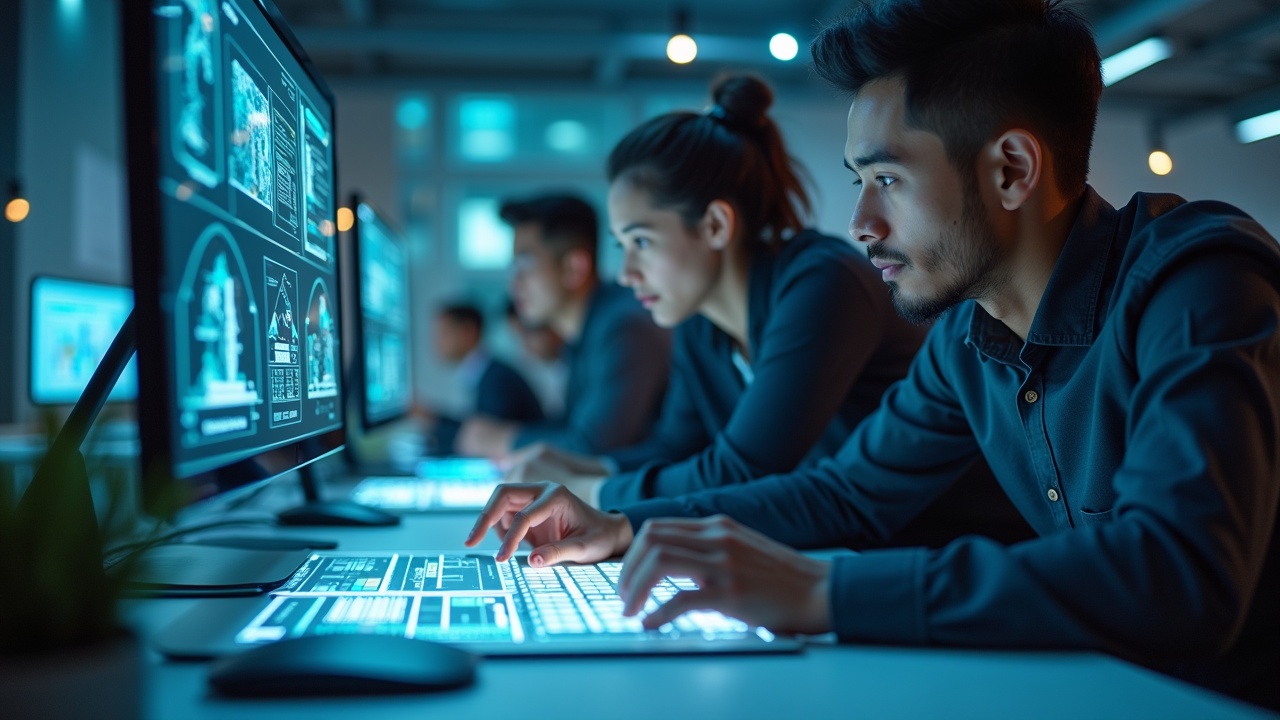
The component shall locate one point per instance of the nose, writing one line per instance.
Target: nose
(867, 224)
(627, 273)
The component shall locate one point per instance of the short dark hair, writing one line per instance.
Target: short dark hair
(733, 152)
(975, 68)
(463, 313)
(567, 221)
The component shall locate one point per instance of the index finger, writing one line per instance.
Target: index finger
(505, 498)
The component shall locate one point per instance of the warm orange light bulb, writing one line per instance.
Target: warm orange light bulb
(17, 210)
(346, 219)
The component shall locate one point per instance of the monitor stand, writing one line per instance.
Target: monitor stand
(317, 511)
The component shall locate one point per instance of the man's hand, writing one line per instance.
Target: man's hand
(580, 474)
(485, 436)
(739, 572)
(561, 527)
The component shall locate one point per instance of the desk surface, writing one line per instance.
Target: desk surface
(823, 681)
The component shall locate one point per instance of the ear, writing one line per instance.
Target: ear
(1013, 164)
(719, 224)
(576, 269)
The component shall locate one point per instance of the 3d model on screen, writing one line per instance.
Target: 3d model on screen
(194, 74)
(218, 347)
(322, 345)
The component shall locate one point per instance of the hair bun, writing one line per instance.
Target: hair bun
(746, 98)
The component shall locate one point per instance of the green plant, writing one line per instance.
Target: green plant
(55, 593)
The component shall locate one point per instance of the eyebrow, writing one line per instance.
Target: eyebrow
(640, 225)
(876, 157)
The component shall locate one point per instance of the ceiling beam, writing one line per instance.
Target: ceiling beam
(1138, 21)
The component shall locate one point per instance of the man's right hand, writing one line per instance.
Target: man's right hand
(561, 527)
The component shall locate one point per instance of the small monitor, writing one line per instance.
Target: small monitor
(72, 324)
(382, 324)
(231, 183)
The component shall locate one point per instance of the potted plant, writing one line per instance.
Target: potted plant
(63, 650)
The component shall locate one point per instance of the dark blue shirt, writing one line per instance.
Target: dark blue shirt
(1137, 429)
(617, 375)
(817, 373)
(501, 392)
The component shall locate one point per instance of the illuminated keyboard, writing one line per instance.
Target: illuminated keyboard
(583, 599)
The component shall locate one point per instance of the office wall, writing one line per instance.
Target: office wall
(69, 157)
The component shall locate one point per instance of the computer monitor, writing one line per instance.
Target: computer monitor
(382, 331)
(231, 184)
(72, 323)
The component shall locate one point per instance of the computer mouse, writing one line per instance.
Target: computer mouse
(337, 512)
(343, 665)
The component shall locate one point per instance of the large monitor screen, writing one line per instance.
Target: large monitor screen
(234, 250)
(382, 284)
(72, 324)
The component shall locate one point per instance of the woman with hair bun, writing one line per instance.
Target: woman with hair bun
(785, 338)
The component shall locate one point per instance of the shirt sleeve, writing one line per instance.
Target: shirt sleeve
(823, 330)
(859, 497)
(627, 376)
(679, 432)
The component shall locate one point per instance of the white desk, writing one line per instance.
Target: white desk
(821, 682)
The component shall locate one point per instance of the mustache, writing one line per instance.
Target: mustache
(879, 252)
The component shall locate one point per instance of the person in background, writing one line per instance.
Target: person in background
(1119, 369)
(617, 357)
(492, 388)
(540, 352)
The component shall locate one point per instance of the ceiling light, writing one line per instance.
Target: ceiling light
(412, 113)
(784, 47)
(1258, 128)
(1159, 160)
(681, 49)
(17, 208)
(1139, 57)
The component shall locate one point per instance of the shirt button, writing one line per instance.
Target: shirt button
(1031, 396)
(1053, 495)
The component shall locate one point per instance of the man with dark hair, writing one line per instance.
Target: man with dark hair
(493, 388)
(617, 357)
(1119, 369)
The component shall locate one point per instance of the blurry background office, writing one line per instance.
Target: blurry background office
(446, 106)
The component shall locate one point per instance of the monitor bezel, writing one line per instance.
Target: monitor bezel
(359, 380)
(154, 403)
(31, 339)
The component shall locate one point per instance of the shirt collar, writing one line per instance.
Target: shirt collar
(473, 366)
(1068, 311)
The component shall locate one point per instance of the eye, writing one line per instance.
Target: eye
(641, 243)
(886, 180)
